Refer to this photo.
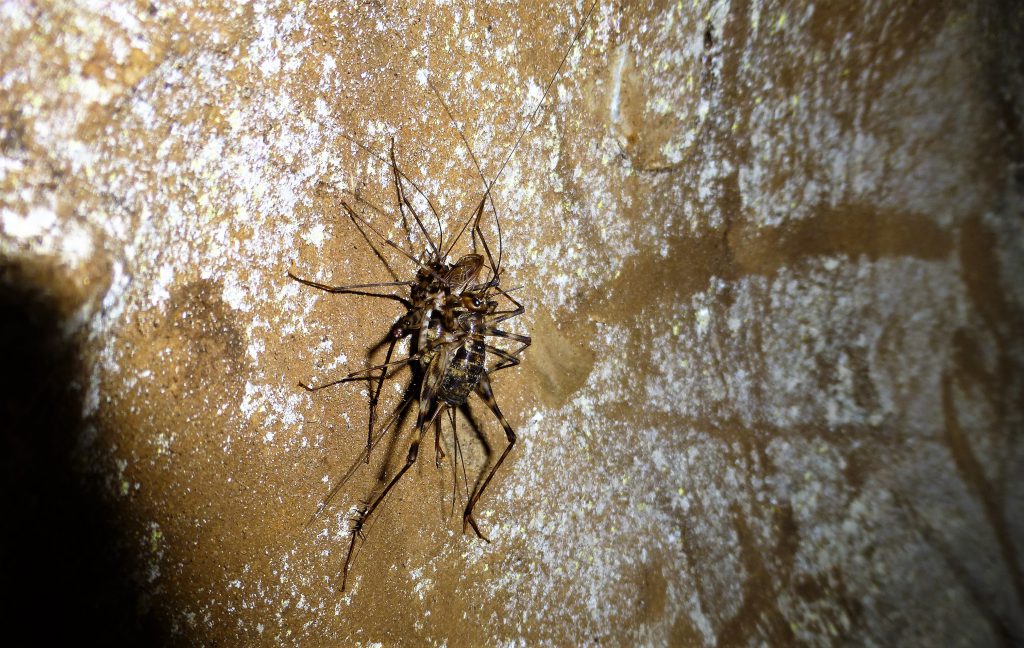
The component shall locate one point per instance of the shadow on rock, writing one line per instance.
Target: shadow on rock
(64, 573)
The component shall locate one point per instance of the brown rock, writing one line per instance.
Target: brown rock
(772, 261)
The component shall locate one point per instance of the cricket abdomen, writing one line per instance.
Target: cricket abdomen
(463, 373)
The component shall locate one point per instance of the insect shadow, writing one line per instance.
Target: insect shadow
(453, 310)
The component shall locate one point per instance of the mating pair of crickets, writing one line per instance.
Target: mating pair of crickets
(450, 314)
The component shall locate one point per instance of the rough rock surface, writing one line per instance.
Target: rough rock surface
(773, 261)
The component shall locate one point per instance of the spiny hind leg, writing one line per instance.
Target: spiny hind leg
(483, 390)
(366, 512)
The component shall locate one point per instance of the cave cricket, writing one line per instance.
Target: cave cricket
(452, 315)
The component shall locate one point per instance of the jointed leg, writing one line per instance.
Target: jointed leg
(395, 420)
(462, 230)
(483, 240)
(510, 358)
(487, 187)
(501, 316)
(380, 158)
(358, 374)
(507, 359)
(355, 289)
(398, 192)
(365, 514)
(375, 396)
(487, 395)
(524, 340)
(438, 452)
(403, 200)
(356, 218)
(455, 461)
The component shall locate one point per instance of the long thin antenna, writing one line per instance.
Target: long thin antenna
(480, 172)
(369, 151)
(530, 120)
(402, 199)
(547, 90)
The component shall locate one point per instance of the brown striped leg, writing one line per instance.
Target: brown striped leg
(510, 357)
(525, 340)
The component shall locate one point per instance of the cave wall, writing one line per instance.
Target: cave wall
(772, 261)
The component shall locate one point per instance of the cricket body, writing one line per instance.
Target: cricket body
(451, 323)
